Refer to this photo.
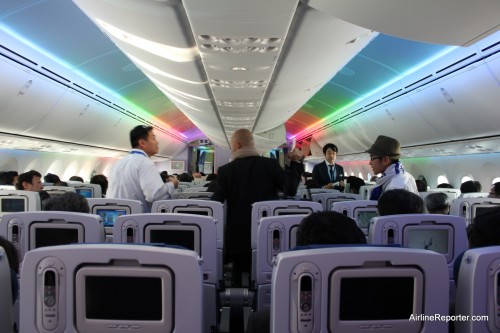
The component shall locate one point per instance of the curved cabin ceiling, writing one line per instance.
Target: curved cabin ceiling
(200, 68)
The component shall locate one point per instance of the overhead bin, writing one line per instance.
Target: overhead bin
(25, 98)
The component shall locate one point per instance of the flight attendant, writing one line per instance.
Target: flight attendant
(328, 173)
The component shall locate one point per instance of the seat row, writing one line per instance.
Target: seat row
(102, 287)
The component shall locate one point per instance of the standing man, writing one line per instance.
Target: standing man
(384, 159)
(135, 176)
(328, 173)
(249, 178)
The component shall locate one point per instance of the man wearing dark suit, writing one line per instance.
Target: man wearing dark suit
(328, 172)
(249, 178)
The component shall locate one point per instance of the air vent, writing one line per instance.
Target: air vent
(18, 55)
(395, 92)
(53, 73)
(104, 99)
(238, 84)
(414, 83)
(243, 41)
(246, 49)
(76, 85)
(455, 63)
(237, 104)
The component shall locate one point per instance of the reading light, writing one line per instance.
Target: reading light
(239, 68)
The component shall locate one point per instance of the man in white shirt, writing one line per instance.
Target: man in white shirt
(135, 176)
(384, 159)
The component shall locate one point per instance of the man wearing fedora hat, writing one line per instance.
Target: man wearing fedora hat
(384, 159)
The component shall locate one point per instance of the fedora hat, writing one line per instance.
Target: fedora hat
(385, 146)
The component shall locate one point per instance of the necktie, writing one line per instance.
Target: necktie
(332, 173)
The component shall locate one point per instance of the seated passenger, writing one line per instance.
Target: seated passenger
(185, 177)
(100, 180)
(438, 203)
(421, 185)
(445, 185)
(468, 187)
(69, 202)
(164, 176)
(483, 231)
(311, 183)
(76, 179)
(495, 190)
(478, 185)
(213, 181)
(32, 181)
(51, 178)
(317, 228)
(354, 184)
(399, 201)
(8, 177)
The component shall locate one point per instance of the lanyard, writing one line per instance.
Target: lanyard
(138, 153)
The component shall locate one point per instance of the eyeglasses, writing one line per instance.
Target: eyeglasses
(375, 158)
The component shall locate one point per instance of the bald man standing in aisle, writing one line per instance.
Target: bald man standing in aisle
(249, 178)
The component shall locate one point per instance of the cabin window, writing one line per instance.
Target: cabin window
(360, 175)
(442, 179)
(495, 180)
(466, 179)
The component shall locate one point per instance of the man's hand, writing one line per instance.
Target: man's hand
(173, 180)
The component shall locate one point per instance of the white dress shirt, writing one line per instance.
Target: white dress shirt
(136, 177)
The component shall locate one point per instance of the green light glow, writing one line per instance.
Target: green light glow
(134, 108)
(378, 89)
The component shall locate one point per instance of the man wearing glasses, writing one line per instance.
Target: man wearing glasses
(384, 159)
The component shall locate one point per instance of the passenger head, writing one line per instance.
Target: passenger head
(495, 190)
(421, 185)
(100, 180)
(354, 184)
(485, 230)
(479, 187)
(68, 202)
(197, 175)
(212, 176)
(51, 178)
(330, 151)
(468, 187)
(185, 177)
(399, 201)
(142, 137)
(311, 183)
(30, 181)
(444, 185)
(438, 203)
(241, 138)
(76, 179)
(164, 176)
(384, 152)
(329, 228)
(8, 177)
